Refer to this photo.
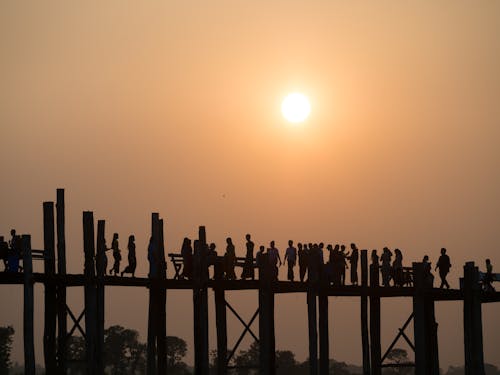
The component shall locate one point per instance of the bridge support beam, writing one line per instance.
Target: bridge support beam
(266, 320)
(473, 326)
(221, 326)
(200, 304)
(101, 272)
(376, 350)
(312, 319)
(365, 341)
(62, 312)
(90, 292)
(425, 326)
(28, 313)
(324, 349)
(50, 303)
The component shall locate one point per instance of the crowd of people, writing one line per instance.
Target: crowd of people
(317, 262)
(312, 263)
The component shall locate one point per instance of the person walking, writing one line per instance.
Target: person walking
(291, 259)
(230, 260)
(386, 266)
(248, 269)
(444, 266)
(187, 259)
(303, 257)
(353, 261)
(397, 268)
(274, 258)
(132, 260)
(116, 256)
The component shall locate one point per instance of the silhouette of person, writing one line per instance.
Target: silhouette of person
(230, 260)
(15, 252)
(444, 266)
(321, 255)
(291, 259)
(342, 264)
(116, 255)
(397, 268)
(274, 258)
(336, 260)
(353, 260)
(303, 258)
(132, 260)
(488, 278)
(248, 269)
(386, 266)
(429, 277)
(259, 256)
(4, 252)
(187, 259)
(212, 257)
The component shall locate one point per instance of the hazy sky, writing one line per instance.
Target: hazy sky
(174, 106)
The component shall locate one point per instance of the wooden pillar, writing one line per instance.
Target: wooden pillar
(473, 326)
(375, 352)
(266, 320)
(324, 360)
(161, 336)
(365, 341)
(62, 314)
(200, 303)
(28, 329)
(153, 297)
(50, 303)
(90, 291)
(101, 272)
(425, 327)
(313, 331)
(221, 326)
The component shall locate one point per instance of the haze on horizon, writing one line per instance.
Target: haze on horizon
(175, 107)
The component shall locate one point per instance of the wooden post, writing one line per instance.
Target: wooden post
(266, 320)
(28, 330)
(425, 326)
(313, 331)
(153, 299)
(221, 326)
(200, 303)
(473, 326)
(90, 291)
(62, 314)
(365, 342)
(324, 360)
(161, 336)
(101, 272)
(375, 352)
(50, 303)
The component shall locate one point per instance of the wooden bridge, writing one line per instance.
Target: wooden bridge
(90, 322)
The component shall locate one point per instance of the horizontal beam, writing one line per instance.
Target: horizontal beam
(279, 287)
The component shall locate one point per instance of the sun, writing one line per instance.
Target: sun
(295, 107)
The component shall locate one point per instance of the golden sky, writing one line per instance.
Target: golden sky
(175, 107)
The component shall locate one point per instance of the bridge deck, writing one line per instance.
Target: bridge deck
(278, 287)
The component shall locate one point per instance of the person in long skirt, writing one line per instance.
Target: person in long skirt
(230, 260)
(187, 259)
(132, 260)
(353, 261)
(248, 268)
(116, 256)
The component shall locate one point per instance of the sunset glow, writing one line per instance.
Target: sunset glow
(296, 107)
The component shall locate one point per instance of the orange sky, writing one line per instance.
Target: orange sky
(175, 107)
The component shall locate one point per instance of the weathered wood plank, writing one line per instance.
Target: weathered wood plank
(50, 297)
(62, 315)
(28, 312)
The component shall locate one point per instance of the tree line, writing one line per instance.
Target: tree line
(124, 354)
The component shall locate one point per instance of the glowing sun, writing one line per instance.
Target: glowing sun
(295, 107)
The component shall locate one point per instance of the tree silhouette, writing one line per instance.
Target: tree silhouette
(6, 334)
